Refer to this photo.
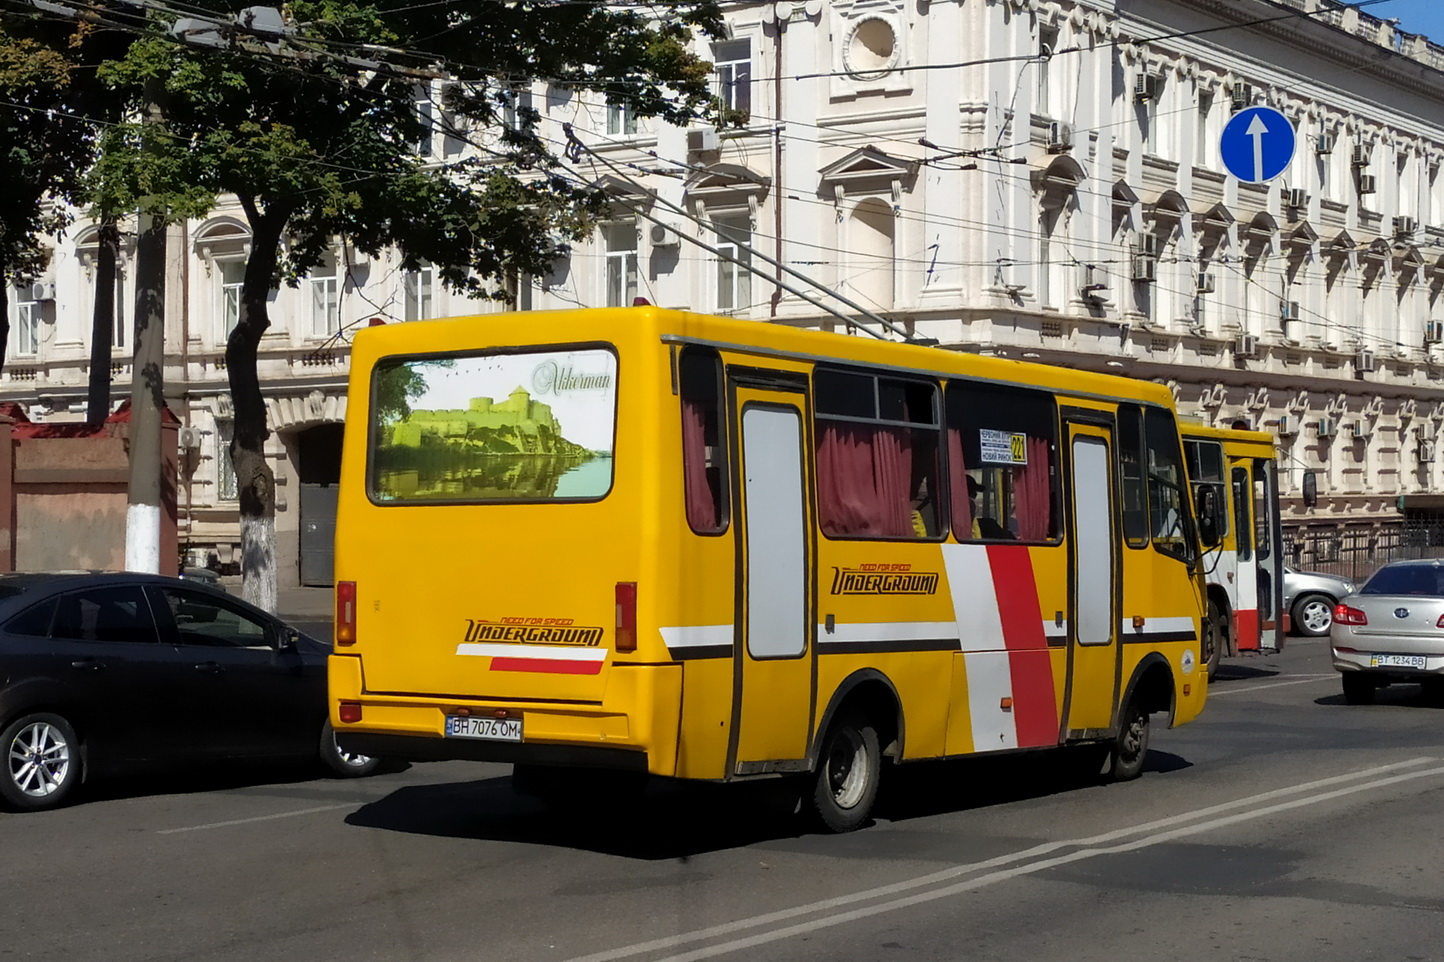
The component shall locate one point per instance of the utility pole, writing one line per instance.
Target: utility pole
(143, 503)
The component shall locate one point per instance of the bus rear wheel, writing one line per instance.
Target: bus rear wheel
(848, 770)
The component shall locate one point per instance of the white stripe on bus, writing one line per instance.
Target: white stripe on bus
(975, 602)
(540, 652)
(698, 636)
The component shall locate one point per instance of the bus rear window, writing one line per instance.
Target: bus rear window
(535, 426)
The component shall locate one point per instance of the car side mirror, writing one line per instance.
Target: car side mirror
(290, 639)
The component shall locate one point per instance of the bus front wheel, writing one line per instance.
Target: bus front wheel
(848, 770)
(1131, 746)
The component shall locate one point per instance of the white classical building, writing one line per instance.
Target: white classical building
(1039, 180)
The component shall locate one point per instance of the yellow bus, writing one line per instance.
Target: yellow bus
(658, 542)
(1235, 488)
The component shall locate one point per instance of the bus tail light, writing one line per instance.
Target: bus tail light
(350, 712)
(1345, 615)
(626, 616)
(345, 612)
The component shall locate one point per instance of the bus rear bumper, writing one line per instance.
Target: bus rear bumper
(412, 748)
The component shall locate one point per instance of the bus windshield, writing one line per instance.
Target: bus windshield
(515, 427)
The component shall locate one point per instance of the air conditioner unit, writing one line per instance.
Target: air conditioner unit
(1404, 225)
(42, 291)
(1060, 137)
(1288, 425)
(189, 438)
(1296, 197)
(1092, 282)
(1146, 86)
(1242, 96)
(1433, 332)
(1358, 429)
(1364, 361)
(1367, 184)
(1288, 311)
(1361, 155)
(664, 235)
(1425, 431)
(1324, 143)
(1246, 346)
(1145, 269)
(1426, 452)
(1147, 245)
(702, 140)
(1328, 427)
(1205, 283)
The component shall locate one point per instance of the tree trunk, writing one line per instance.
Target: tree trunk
(102, 325)
(255, 481)
(143, 502)
(4, 315)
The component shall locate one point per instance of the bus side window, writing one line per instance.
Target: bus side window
(703, 449)
(1133, 488)
(1205, 468)
(877, 456)
(1168, 507)
(1242, 498)
(1002, 463)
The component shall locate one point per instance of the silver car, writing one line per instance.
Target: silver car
(1392, 630)
(1309, 598)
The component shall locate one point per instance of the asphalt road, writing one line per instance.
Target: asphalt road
(1284, 825)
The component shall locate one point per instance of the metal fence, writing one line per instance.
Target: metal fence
(1357, 552)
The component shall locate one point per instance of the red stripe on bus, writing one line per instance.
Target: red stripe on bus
(1245, 624)
(550, 665)
(1035, 708)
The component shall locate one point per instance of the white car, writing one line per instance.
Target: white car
(1392, 630)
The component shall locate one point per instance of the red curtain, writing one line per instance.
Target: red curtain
(1031, 494)
(702, 508)
(958, 487)
(862, 480)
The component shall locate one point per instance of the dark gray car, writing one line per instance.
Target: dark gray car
(1309, 598)
(111, 672)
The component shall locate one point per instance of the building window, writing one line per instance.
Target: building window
(621, 245)
(734, 277)
(418, 294)
(733, 64)
(425, 114)
(1047, 43)
(1202, 142)
(325, 286)
(233, 280)
(26, 321)
(118, 314)
(620, 119)
(226, 486)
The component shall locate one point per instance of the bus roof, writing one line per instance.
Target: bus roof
(762, 338)
(1235, 440)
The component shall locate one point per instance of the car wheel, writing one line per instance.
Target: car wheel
(42, 761)
(848, 770)
(1215, 638)
(1359, 688)
(1313, 614)
(1130, 748)
(343, 763)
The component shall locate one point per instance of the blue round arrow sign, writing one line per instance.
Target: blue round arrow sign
(1257, 144)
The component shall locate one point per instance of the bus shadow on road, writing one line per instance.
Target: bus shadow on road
(671, 820)
(1232, 671)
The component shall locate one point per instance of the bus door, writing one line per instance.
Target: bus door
(1093, 644)
(1247, 612)
(773, 695)
(1269, 551)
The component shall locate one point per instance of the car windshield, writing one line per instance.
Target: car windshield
(1406, 580)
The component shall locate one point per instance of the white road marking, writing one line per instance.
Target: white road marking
(258, 818)
(1164, 829)
(1303, 680)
